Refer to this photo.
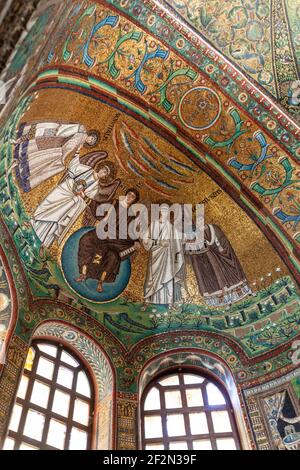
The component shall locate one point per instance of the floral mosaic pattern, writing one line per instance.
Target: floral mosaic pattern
(260, 36)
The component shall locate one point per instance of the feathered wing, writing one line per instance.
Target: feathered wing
(91, 159)
(138, 155)
(105, 194)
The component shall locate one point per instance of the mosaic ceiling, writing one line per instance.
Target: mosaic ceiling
(156, 110)
(261, 37)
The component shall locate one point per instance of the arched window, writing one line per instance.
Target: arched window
(187, 411)
(55, 402)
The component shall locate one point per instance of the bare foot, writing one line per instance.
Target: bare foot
(100, 287)
(81, 278)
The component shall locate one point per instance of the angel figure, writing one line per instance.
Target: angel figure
(42, 148)
(87, 179)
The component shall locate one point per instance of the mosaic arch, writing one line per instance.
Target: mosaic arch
(8, 306)
(160, 101)
(260, 37)
(102, 372)
(128, 353)
(259, 322)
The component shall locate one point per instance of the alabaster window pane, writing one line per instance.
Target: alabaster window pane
(194, 397)
(9, 444)
(172, 380)
(215, 397)
(68, 359)
(40, 394)
(34, 425)
(221, 421)
(187, 405)
(25, 446)
(48, 349)
(78, 440)
(23, 387)
(81, 412)
(155, 447)
(178, 445)
(56, 434)
(153, 427)
(15, 418)
(83, 386)
(65, 377)
(173, 399)
(203, 444)
(29, 359)
(45, 368)
(152, 401)
(175, 425)
(48, 413)
(61, 403)
(198, 423)
(192, 379)
(226, 444)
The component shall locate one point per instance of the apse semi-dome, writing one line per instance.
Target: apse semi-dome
(112, 108)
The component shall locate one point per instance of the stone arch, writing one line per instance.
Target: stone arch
(100, 370)
(200, 362)
(8, 306)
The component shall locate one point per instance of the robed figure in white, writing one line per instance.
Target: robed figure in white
(82, 183)
(166, 270)
(41, 150)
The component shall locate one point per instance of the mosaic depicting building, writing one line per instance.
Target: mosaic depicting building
(149, 343)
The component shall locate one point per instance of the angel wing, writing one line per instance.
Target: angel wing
(92, 158)
(105, 194)
(138, 156)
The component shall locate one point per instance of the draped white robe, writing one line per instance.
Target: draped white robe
(40, 156)
(61, 208)
(166, 270)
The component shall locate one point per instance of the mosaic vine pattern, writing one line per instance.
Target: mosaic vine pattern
(260, 37)
(144, 67)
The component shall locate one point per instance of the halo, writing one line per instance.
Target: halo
(112, 170)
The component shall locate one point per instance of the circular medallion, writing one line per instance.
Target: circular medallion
(87, 289)
(200, 108)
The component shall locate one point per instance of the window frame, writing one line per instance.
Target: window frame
(27, 405)
(212, 436)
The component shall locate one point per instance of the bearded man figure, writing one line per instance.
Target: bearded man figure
(166, 268)
(220, 277)
(101, 259)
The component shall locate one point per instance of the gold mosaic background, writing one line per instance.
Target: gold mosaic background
(247, 240)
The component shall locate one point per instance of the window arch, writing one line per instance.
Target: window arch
(187, 410)
(55, 402)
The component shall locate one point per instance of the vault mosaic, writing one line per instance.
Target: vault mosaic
(124, 100)
(270, 176)
(261, 37)
(52, 237)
